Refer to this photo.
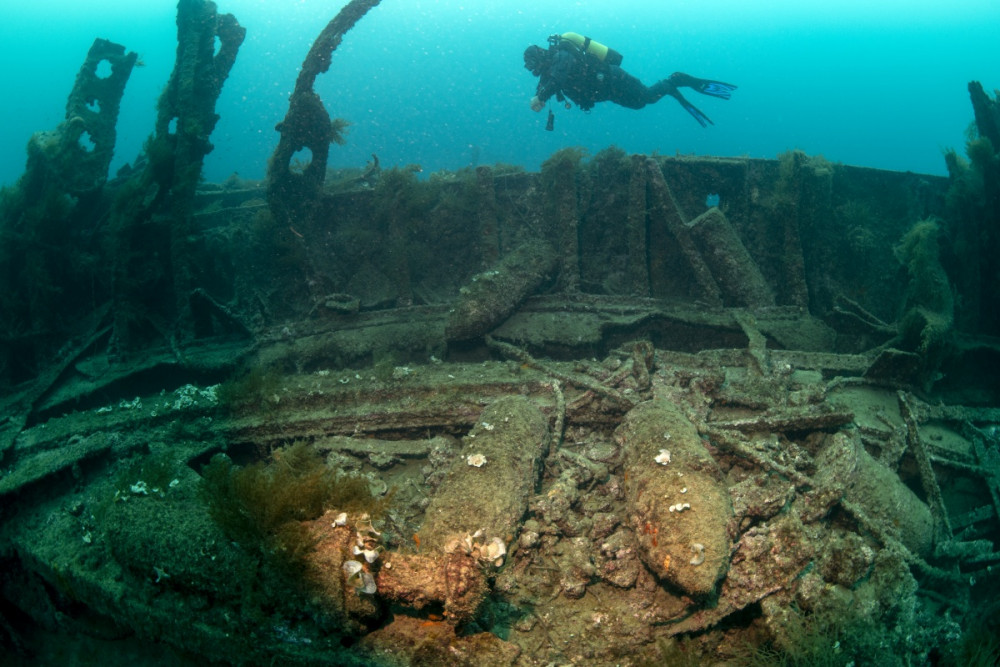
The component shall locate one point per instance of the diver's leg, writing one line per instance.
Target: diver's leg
(703, 86)
(626, 90)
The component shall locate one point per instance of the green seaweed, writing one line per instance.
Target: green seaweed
(973, 206)
(262, 506)
(256, 389)
(919, 252)
(570, 158)
(504, 169)
(384, 364)
(827, 639)
(792, 163)
(927, 324)
(338, 130)
(979, 645)
(675, 652)
(613, 158)
(981, 153)
(399, 195)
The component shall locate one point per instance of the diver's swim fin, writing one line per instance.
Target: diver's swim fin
(702, 119)
(703, 86)
(698, 115)
(715, 88)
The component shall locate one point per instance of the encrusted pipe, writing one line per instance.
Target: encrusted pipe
(664, 211)
(676, 497)
(492, 296)
(737, 275)
(511, 435)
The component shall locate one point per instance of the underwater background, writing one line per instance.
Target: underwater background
(441, 83)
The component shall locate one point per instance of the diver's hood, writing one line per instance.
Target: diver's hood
(535, 59)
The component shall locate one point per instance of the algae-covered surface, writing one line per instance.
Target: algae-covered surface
(492, 417)
(786, 526)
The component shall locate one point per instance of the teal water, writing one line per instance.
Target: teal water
(441, 83)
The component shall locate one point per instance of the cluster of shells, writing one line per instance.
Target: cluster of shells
(368, 546)
(479, 546)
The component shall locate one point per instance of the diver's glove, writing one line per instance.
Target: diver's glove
(537, 104)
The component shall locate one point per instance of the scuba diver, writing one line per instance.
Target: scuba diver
(587, 72)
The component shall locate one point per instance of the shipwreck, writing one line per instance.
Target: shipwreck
(629, 409)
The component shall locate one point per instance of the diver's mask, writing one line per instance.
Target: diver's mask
(535, 59)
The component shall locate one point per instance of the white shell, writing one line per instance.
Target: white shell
(351, 568)
(663, 458)
(368, 582)
(476, 460)
(496, 549)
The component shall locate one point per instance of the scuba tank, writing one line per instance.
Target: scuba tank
(587, 45)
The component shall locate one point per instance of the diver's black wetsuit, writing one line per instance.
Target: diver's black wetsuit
(565, 71)
(586, 80)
